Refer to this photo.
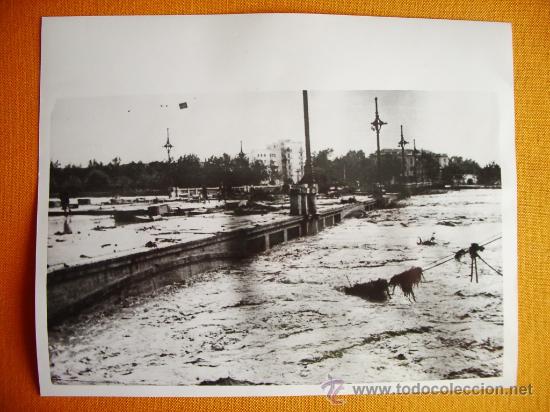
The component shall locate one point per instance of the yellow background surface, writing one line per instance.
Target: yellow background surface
(19, 104)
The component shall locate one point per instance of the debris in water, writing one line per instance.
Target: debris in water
(470, 373)
(245, 208)
(348, 200)
(407, 280)
(474, 248)
(375, 290)
(100, 228)
(228, 381)
(446, 223)
(460, 254)
(430, 242)
(244, 302)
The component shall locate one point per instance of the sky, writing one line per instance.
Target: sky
(134, 127)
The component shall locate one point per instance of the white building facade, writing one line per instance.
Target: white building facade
(283, 159)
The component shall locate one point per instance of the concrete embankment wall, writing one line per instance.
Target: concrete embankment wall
(71, 289)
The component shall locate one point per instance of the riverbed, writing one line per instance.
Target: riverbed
(281, 317)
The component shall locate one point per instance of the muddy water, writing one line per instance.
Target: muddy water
(280, 318)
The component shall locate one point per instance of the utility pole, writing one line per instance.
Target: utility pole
(309, 167)
(402, 144)
(377, 125)
(308, 172)
(168, 146)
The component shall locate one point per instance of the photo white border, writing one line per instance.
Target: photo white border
(135, 55)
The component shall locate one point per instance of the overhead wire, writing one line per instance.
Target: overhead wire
(446, 259)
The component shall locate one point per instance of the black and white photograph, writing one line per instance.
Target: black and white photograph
(309, 236)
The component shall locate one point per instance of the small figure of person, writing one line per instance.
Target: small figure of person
(204, 194)
(221, 192)
(67, 227)
(65, 200)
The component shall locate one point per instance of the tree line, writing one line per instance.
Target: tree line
(354, 170)
(136, 178)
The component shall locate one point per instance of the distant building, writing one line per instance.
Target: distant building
(413, 164)
(443, 160)
(284, 160)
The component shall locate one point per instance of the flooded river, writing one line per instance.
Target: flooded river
(281, 318)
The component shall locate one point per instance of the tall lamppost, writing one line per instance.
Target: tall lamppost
(377, 125)
(168, 146)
